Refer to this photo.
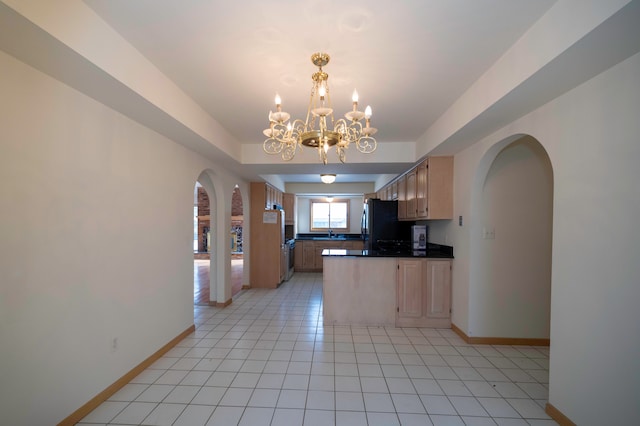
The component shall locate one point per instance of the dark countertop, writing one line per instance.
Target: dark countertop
(325, 237)
(434, 251)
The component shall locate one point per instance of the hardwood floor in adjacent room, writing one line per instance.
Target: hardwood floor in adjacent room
(201, 280)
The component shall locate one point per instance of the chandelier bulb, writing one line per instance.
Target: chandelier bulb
(322, 91)
(278, 101)
(367, 112)
(354, 97)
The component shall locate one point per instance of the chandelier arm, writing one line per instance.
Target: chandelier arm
(289, 152)
(272, 146)
(366, 145)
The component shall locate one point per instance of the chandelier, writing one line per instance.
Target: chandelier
(319, 130)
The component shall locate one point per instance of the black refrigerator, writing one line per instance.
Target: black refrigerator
(380, 223)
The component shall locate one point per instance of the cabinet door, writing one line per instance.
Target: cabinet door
(287, 204)
(298, 256)
(318, 257)
(422, 187)
(438, 289)
(411, 181)
(308, 256)
(440, 188)
(410, 290)
(402, 198)
(283, 261)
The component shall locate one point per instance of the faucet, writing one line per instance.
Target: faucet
(330, 233)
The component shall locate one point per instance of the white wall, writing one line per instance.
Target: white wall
(96, 244)
(591, 135)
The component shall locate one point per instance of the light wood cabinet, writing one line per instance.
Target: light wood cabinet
(354, 245)
(438, 289)
(298, 257)
(402, 198)
(360, 291)
(267, 239)
(424, 192)
(288, 202)
(411, 182)
(266, 195)
(438, 189)
(394, 190)
(317, 256)
(308, 256)
(423, 294)
(410, 295)
(309, 252)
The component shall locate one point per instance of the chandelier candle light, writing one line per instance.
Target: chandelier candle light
(284, 137)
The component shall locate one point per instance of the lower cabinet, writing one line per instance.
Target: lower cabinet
(308, 256)
(309, 252)
(423, 293)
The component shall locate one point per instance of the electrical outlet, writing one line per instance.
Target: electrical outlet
(488, 233)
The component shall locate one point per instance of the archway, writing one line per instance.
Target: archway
(237, 247)
(201, 245)
(511, 241)
(212, 271)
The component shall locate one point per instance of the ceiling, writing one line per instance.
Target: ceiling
(409, 60)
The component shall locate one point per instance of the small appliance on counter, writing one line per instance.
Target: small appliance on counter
(419, 237)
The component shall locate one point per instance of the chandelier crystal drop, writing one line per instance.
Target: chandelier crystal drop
(319, 130)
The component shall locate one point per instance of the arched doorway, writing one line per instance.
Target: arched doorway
(237, 250)
(201, 245)
(511, 241)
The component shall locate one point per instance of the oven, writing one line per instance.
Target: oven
(290, 247)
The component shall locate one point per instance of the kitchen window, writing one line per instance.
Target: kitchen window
(329, 215)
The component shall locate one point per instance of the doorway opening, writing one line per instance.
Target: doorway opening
(237, 253)
(201, 245)
(512, 242)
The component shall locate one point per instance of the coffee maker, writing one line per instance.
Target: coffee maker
(419, 237)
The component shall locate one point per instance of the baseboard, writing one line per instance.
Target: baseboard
(511, 341)
(224, 304)
(246, 287)
(91, 405)
(557, 415)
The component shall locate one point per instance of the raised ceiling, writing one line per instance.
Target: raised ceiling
(410, 60)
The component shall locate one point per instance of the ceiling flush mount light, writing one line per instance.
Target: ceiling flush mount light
(319, 130)
(327, 178)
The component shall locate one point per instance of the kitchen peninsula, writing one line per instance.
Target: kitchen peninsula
(401, 289)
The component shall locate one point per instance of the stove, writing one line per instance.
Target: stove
(393, 246)
(290, 246)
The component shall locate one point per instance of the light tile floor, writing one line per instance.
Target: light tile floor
(267, 359)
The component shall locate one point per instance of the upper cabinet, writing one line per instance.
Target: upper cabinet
(402, 198)
(424, 192)
(263, 194)
(436, 199)
(288, 201)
